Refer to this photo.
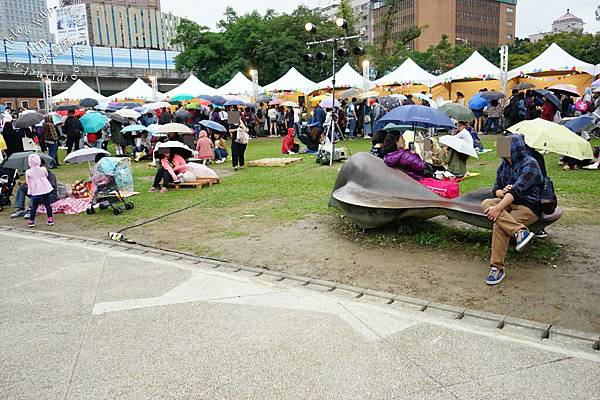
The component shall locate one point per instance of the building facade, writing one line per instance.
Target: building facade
(25, 20)
(565, 23)
(476, 22)
(363, 16)
(130, 23)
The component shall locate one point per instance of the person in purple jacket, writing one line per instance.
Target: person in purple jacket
(406, 160)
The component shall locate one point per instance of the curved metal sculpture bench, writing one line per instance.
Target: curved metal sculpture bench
(373, 195)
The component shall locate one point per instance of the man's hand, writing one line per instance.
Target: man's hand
(493, 213)
(500, 193)
(507, 189)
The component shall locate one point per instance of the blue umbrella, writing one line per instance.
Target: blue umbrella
(218, 100)
(205, 97)
(417, 115)
(477, 102)
(215, 126)
(234, 102)
(134, 128)
(93, 121)
(550, 96)
(580, 123)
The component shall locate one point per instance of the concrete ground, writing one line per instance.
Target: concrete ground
(94, 320)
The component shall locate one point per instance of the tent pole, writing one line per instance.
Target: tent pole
(332, 123)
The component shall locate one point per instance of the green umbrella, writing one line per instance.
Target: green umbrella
(457, 112)
(93, 121)
(194, 106)
(182, 97)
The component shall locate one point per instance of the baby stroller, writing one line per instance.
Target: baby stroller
(112, 177)
(8, 178)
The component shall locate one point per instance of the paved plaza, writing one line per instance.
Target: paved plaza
(85, 319)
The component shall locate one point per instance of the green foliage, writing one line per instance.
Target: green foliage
(271, 43)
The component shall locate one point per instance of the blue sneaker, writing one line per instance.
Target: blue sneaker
(495, 277)
(523, 237)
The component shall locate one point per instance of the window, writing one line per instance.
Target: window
(509, 10)
(8, 104)
(25, 103)
(509, 36)
(509, 23)
(41, 105)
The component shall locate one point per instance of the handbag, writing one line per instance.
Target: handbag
(447, 189)
(242, 136)
(367, 119)
(549, 200)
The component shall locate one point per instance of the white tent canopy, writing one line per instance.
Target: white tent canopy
(292, 81)
(193, 86)
(239, 84)
(408, 72)
(346, 77)
(474, 67)
(138, 90)
(78, 91)
(554, 58)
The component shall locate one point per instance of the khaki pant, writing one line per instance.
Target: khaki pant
(513, 219)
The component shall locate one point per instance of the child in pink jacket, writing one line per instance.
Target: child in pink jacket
(39, 188)
(205, 147)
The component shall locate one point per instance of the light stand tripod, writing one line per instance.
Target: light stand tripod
(334, 42)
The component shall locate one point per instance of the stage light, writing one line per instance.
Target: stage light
(311, 28)
(342, 52)
(358, 51)
(308, 58)
(321, 56)
(342, 23)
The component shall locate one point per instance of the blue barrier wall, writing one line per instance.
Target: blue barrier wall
(51, 53)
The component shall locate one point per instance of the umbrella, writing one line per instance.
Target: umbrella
(550, 96)
(218, 100)
(548, 136)
(204, 97)
(215, 126)
(422, 96)
(492, 95)
(93, 121)
(422, 116)
(329, 103)
(152, 128)
(182, 97)
(457, 112)
(368, 95)
(29, 119)
(182, 116)
(173, 128)
(523, 86)
(264, 98)
(174, 147)
(395, 127)
(477, 102)
(390, 102)
(134, 128)
(275, 102)
(116, 117)
(84, 155)
(101, 107)
(193, 106)
(596, 83)
(57, 119)
(19, 160)
(569, 90)
(580, 123)
(205, 102)
(234, 102)
(130, 104)
(67, 107)
(127, 113)
(348, 94)
(289, 104)
(88, 103)
(459, 144)
(157, 105)
(399, 96)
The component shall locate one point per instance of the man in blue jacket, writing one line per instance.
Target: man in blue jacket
(516, 203)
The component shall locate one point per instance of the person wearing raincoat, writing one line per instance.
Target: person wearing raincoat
(204, 147)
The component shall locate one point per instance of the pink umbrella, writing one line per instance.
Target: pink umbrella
(567, 89)
(275, 102)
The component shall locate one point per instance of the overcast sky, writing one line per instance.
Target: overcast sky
(532, 15)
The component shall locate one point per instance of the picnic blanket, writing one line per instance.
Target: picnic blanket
(69, 206)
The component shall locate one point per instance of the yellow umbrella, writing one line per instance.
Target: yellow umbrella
(2, 143)
(317, 99)
(548, 136)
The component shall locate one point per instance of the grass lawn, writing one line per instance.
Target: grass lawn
(290, 194)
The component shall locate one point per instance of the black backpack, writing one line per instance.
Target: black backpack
(513, 107)
(259, 113)
(548, 197)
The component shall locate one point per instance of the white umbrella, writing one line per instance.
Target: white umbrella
(157, 105)
(175, 146)
(128, 113)
(289, 104)
(461, 143)
(84, 155)
(173, 127)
